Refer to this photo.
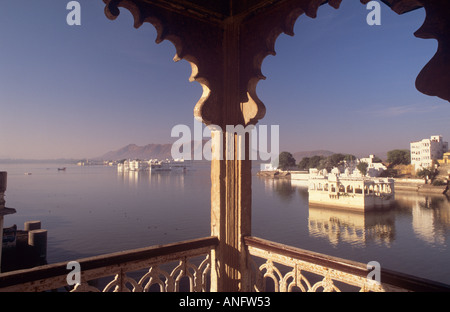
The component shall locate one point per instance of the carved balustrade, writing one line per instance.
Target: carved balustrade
(186, 266)
(162, 267)
(282, 268)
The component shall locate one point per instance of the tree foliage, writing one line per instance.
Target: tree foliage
(399, 157)
(322, 162)
(362, 167)
(285, 160)
(427, 173)
(389, 172)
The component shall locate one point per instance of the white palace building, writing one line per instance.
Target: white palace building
(350, 191)
(425, 151)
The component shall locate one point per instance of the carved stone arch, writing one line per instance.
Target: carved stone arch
(176, 27)
(182, 25)
(208, 52)
(434, 78)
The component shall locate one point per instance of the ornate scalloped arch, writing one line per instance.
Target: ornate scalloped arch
(200, 40)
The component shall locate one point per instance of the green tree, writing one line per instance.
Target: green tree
(304, 163)
(349, 157)
(326, 163)
(362, 167)
(427, 173)
(399, 157)
(314, 161)
(336, 159)
(389, 172)
(322, 162)
(310, 162)
(285, 160)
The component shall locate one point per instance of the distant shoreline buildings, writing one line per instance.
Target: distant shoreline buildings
(152, 165)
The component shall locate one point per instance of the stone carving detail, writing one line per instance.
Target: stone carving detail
(195, 40)
(204, 41)
(303, 276)
(167, 282)
(222, 51)
(434, 78)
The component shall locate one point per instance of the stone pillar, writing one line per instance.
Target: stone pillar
(32, 225)
(230, 217)
(230, 177)
(38, 240)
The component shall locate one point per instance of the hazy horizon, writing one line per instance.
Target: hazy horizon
(381, 154)
(81, 91)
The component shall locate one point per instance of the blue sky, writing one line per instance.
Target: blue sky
(80, 91)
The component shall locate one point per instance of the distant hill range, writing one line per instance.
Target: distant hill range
(149, 151)
(163, 151)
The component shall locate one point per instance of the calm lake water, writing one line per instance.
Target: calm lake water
(94, 210)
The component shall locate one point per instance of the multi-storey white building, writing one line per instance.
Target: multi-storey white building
(425, 151)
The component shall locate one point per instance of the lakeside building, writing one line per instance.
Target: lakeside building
(423, 152)
(268, 167)
(445, 159)
(152, 165)
(374, 169)
(131, 165)
(349, 191)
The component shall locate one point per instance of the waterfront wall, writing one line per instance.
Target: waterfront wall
(322, 198)
(418, 185)
(300, 175)
(358, 202)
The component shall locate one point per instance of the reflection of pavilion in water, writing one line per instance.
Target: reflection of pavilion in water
(430, 216)
(162, 178)
(356, 228)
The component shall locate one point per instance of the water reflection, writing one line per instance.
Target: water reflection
(356, 228)
(426, 215)
(174, 180)
(430, 216)
(282, 187)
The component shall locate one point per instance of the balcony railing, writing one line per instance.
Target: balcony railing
(284, 268)
(186, 266)
(167, 266)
